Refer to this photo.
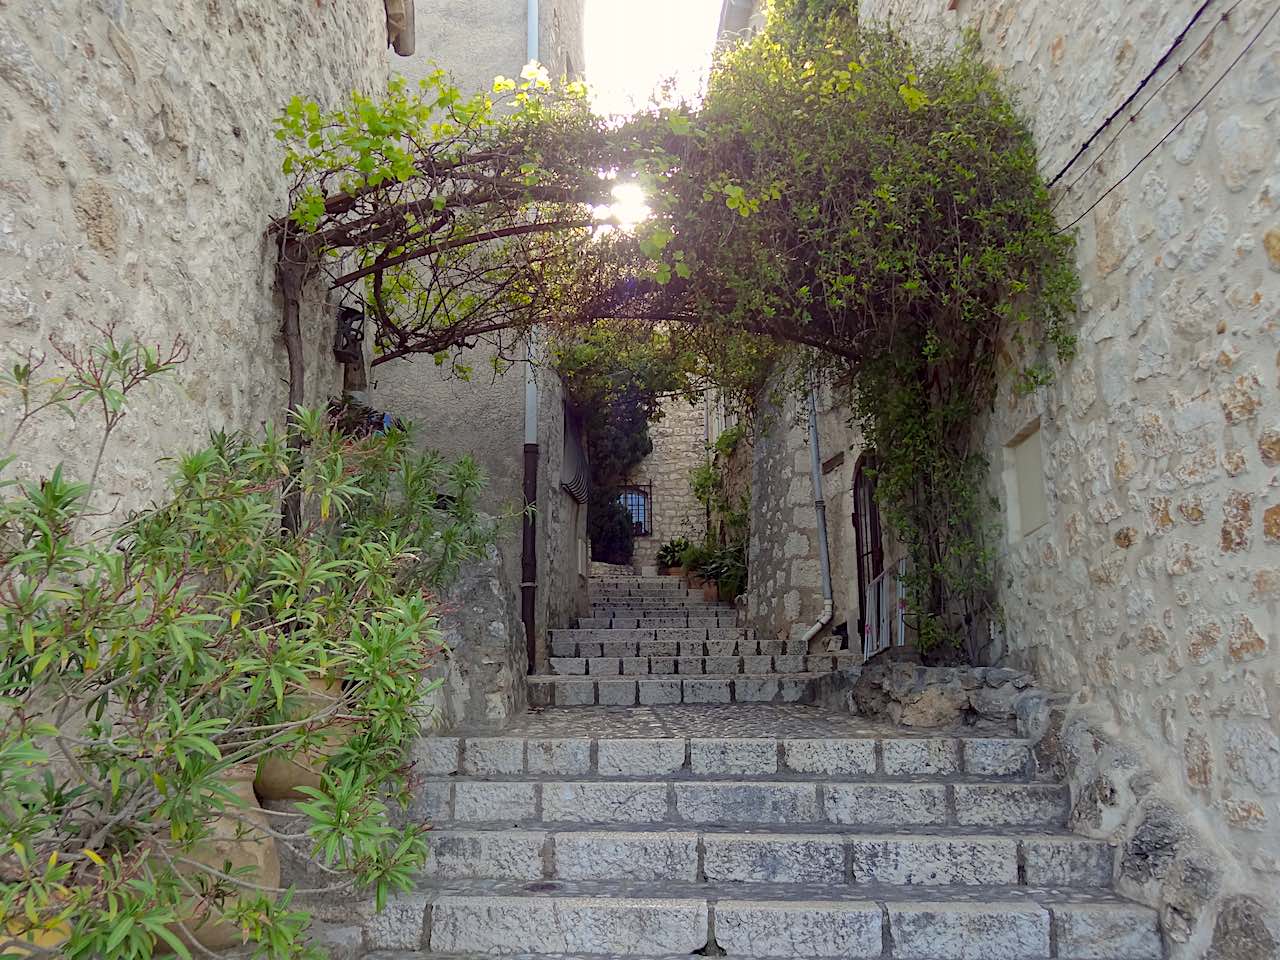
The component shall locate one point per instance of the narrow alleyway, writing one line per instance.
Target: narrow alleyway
(753, 829)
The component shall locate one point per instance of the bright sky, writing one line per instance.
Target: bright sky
(633, 47)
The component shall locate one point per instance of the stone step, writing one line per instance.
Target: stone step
(967, 857)
(666, 642)
(667, 920)
(673, 610)
(548, 691)
(654, 623)
(611, 666)
(544, 803)
(638, 757)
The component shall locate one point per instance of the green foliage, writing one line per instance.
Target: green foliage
(727, 565)
(615, 377)
(671, 553)
(911, 244)
(454, 217)
(695, 556)
(141, 663)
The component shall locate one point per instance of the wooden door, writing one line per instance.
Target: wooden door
(870, 549)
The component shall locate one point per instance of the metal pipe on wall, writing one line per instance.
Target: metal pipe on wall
(529, 528)
(820, 509)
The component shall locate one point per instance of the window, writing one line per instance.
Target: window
(1028, 504)
(636, 500)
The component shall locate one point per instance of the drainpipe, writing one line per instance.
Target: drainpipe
(820, 508)
(529, 528)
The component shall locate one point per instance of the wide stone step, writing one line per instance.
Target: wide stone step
(668, 642)
(644, 758)
(548, 691)
(547, 803)
(653, 622)
(611, 666)
(667, 920)
(845, 858)
(673, 609)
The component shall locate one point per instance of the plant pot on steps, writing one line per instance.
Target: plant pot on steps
(711, 591)
(279, 774)
(696, 580)
(676, 571)
(232, 839)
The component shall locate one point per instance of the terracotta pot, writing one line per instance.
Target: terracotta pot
(696, 580)
(280, 775)
(44, 939)
(711, 591)
(677, 571)
(231, 840)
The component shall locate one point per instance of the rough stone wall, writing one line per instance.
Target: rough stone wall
(1154, 587)
(138, 172)
(679, 445)
(784, 595)
(482, 670)
(562, 525)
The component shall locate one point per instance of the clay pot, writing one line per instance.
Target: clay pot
(231, 840)
(44, 939)
(677, 571)
(280, 775)
(711, 591)
(696, 580)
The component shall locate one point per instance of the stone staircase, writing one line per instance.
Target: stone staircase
(754, 831)
(771, 830)
(650, 641)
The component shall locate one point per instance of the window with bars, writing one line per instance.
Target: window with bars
(636, 500)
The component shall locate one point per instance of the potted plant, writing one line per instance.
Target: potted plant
(314, 706)
(153, 664)
(670, 557)
(693, 558)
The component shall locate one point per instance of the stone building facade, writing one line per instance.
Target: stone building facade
(485, 416)
(1140, 571)
(138, 173)
(679, 446)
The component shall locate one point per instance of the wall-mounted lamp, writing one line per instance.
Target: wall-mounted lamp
(348, 340)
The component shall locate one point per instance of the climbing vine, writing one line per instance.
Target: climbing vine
(837, 190)
(879, 203)
(615, 377)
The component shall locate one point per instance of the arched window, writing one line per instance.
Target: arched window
(636, 500)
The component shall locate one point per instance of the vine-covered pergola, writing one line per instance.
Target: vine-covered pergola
(836, 190)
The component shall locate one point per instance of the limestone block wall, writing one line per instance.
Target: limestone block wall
(1153, 589)
(784, 595)
(562, 525)
(679, 445)
(477, 40)
(138, 173)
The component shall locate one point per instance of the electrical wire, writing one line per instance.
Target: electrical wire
(1133, 96)
(1224, 18)
(1174, 129)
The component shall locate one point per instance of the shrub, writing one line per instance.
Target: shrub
(671, 553)
(141, 665)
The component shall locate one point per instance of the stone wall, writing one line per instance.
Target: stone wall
(482, 669)
(1151, 596)
(562, 526)
(484, 416)
(679, 445)
(784, 596)
(138, 173)
(1153, 587)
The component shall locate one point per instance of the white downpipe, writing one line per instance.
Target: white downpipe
(530, 375)
(820, 508)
